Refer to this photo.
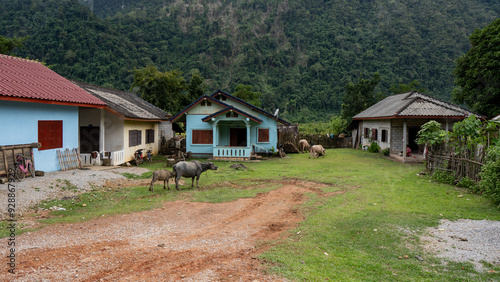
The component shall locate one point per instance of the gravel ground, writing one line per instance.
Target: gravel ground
(55, 185)
(465, 240)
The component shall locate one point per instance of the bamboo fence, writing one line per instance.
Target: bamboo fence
(462, 161)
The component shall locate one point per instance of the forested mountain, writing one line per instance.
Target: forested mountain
(299, 54)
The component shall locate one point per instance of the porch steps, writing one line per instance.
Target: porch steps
(255, 157)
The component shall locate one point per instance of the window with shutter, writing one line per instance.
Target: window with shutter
(263, 135)
(50, 134)
(150, 136)
(134, 137)
(383, 138)
(374, 134)
(202, 137)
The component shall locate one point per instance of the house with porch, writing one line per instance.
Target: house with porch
(39, 110)
(126, 124)
(395, 121)
(225, 127)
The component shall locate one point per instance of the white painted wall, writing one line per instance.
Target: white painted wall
(382, 124)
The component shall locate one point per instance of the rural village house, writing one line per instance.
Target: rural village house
(395, 121)
(38, 106)
(225, 127)
(126, 124)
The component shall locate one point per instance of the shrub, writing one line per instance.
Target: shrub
(386, 151)
(374, 148)
(444, 177)
(490, 175)
(468, 183)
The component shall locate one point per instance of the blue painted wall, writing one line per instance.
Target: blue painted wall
(194, 122)
(20, 126)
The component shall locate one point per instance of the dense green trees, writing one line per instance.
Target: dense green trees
(359, 96)
(299, 55)
(168, 90)
(478, 72)
(9, 44)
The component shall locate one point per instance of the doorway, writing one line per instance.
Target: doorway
(89, 139)
(238, 137)
(412, 136)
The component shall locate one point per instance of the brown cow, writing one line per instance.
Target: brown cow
(303, 145)
(316, 151)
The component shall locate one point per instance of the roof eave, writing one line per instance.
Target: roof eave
(52, 102)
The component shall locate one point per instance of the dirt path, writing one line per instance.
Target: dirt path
(181, 241)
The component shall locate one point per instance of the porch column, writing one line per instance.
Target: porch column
(102, 131)
(215, 129)
(404, 140)
(247, 122)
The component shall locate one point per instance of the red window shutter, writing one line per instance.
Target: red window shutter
(263, 135)
(202, 137)
(50, 134)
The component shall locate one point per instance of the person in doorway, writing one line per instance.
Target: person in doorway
(408, 151)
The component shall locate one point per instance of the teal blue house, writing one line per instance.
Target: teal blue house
(225, 127)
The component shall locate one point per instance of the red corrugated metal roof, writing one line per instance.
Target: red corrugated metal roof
(30, 81)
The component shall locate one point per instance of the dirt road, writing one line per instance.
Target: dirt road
(181, 241)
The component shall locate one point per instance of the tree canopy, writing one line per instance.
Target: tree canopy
(359, 96)
(477, 73)
(298, 54)
(7, 45)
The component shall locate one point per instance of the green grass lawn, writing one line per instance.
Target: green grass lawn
(353, 236)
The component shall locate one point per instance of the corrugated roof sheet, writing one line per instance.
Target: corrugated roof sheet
(27, 79)
(412, 104)
(125, 103)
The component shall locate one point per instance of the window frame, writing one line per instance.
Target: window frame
(150, 136)
(202, 136)
(134, 137)
(259, 140)
(383, 135)
(50, 134)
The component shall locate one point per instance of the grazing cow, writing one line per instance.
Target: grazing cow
(303, 145)
(160, 175)
(316, 151)
(191, 169)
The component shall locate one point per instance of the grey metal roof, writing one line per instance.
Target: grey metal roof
(412, 104)
(125, 103)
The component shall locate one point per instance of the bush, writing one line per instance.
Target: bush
(468, 183)
(444, 177)
(374, 148)
(490, 175)
(386, 152)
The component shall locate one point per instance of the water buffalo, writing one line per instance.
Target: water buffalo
(160, 175)
(191, 169)
(316, 151)
(303, 145)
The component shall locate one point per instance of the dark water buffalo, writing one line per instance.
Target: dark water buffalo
(191, 169)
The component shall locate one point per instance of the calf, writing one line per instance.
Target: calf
(191, 169)
(316, 151)
(160, 175)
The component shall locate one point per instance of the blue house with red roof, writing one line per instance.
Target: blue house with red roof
(38, 106)
(226, 127)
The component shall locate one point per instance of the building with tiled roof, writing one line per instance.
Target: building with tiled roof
(225, 127)
(38, 106)
(395, 121)
(127, 124)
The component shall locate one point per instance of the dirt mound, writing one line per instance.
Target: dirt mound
(182, 240)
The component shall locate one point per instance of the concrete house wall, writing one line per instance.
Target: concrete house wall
(20, 126)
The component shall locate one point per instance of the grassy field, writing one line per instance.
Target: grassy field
(352, 236)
